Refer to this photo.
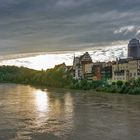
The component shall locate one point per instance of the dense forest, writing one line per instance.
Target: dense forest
(60, 78)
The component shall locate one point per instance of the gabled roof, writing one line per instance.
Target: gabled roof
(85, 57)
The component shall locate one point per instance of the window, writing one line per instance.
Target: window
(134, 74)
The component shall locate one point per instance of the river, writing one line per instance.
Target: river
(28, 113)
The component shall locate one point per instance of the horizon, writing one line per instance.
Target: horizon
(33, 28)
(39, 61)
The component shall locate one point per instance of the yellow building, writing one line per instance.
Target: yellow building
(138, 69)
(88, 68)
(88, 73)
(133, 69)
(126, 69)
(120, 70)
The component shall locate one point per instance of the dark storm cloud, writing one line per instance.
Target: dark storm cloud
(49, 25)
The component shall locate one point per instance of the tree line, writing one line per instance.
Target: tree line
(60, 78)
(21, 75)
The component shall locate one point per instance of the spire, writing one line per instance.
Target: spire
(74, 59)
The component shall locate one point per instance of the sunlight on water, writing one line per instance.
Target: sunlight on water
(28, 113)
(42, 107)
(41, 101)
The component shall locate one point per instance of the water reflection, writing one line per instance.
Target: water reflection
(53, 112)
(41, 100)
(69, 106)
(34, 114)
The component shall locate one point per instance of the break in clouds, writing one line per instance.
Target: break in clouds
(45, 61)
(66, 25)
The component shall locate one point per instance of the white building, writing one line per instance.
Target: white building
(80, 66)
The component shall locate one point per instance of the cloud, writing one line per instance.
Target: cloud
(125, 30)
(138, 32)
(53, 25)
(108, 53)
(128, 29)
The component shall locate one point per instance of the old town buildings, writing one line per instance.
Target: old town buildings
(84, 68)
(121, 69)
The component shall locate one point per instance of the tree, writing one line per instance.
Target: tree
(119, 83)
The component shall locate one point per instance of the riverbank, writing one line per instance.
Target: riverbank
(129, 87)
(59, 78)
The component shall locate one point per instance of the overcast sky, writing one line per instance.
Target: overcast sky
(55, 25)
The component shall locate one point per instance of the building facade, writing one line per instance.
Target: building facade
(82, 66)
(134, 48)
(126, 69)
(88, 73)
(134, 69)
(120, 70)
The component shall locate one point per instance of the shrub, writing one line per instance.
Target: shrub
(119, 83)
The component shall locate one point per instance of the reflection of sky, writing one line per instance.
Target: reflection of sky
(44, 61)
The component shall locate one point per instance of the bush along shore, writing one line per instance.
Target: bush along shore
(60, 78)
(129, 87)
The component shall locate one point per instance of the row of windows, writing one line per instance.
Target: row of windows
(120, 78)
(134, 74)
(128, 74)
(131, 66)
(119, 74)
(121, 68)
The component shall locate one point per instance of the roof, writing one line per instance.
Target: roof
(60, 65)
(85, 57)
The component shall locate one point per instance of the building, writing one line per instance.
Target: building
(81, 66)
(77, 68)
(97, 70)
(61, 67)
(134, 48)
(138, 68)
(134, 69)
(120, 70)
(126, 69)
(84, 60)
(106, 73)
(88, 73)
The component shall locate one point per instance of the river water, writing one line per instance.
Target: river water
(28, 113)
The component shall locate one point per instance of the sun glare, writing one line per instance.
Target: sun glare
(41, 101)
